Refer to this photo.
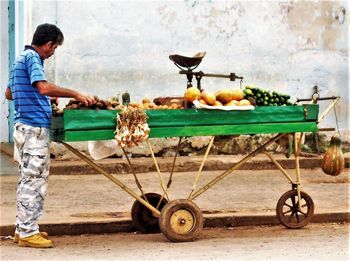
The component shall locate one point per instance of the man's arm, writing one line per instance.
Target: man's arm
(52, 90)
(8, 94)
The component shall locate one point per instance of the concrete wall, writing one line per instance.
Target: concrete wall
(288, 46)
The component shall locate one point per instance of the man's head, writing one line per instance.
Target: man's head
(46, 39)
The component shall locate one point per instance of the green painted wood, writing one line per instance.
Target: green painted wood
(104, 119)
(161, 132)
(233, 129)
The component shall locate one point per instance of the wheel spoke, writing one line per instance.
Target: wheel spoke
(293, 200)
(303, 213)
(285, 204)
(288, 211)
(291, 216)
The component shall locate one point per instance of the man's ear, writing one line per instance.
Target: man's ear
(49, 44)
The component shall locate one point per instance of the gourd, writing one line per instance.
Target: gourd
(333, 159)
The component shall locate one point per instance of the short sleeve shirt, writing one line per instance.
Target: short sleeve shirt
(31, 107)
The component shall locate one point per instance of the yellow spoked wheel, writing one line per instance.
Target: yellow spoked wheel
(181, 220)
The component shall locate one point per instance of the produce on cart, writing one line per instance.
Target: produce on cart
(197, 113)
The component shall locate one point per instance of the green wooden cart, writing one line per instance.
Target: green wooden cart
(181, 219)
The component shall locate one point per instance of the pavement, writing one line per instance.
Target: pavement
(79, 201)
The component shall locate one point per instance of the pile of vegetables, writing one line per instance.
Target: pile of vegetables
(101, 104)
(260, 97)
(132, 128)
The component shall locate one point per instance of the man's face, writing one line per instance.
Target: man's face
(49, 50)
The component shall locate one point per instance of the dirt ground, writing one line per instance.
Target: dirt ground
(314, 242)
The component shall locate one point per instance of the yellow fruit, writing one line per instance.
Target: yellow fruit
(224, 96)
(201, 101)
(237, 94)
(208, 97)
(192, 94)
(217, 103)
(244, 102)
(232, 103)
(145, 100)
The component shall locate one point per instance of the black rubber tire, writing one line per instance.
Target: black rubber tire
(287, 209)
(142, 218)
(181, 220)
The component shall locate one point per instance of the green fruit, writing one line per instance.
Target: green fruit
(248, 91)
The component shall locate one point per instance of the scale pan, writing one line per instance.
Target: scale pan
(187, 62)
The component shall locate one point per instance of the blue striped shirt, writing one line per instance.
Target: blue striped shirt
(31, 107)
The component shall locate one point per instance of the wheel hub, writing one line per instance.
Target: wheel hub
(182, 221)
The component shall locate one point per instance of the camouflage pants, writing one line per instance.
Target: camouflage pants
(33, 148)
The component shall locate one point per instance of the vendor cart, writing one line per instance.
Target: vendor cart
(181, 219)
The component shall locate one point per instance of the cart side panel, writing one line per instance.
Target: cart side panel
(105, 119)
(161, 132)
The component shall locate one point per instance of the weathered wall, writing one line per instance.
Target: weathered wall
(288, 46)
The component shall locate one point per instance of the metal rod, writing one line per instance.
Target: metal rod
(173, 166)
(297, 167)
(327, 110)
(158, 170)
(133, 172)
(155, 211)
(326, 129)
(171, 173)
(284, 172)
(231, 76)
(236, 166)
(319, 99)
(201, 167)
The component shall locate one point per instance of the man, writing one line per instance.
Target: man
(31, 93)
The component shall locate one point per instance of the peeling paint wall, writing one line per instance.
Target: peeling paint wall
(288, 46)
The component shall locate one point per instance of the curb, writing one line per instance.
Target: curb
(183, 164)
(210, 221)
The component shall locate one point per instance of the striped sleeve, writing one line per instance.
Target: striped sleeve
(35, 69)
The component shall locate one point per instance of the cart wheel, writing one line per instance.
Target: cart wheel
(289, 214)
(181, 220)
(143, 218)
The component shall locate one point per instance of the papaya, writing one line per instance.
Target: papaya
(244, 102)
(232, 103)
(208, 97)
(192, 94)
(224, 96)
(237, 94)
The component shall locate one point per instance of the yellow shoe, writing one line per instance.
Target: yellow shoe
(16, 236)
(36, 241)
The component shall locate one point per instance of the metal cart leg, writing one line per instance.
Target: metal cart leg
(236, 166)
(155, 211)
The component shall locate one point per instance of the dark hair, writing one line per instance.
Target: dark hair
(45, 33)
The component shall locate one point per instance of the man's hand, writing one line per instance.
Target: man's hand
(51, 89)
(87, 100)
